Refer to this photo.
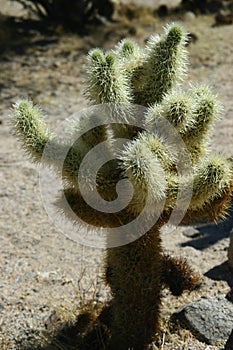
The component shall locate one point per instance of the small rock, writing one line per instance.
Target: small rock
(1, 307)
(189, 16)
(191, 232)
(56, 64)
(210, 320)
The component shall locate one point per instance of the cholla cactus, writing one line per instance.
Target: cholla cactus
(137, 271)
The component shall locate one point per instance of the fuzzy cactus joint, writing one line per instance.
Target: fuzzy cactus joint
(150, 77)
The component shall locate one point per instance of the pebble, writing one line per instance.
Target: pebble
(189, 16)
(191, 232)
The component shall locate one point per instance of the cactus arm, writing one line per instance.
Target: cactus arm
(192, 113)
(205, 112)
(211, 178)
(38, 141)
(159, 149)
(211, 184)
(30, 128)
(164, 66)
(132, 57)
(176, 107)
(178, 276)
(213, 210)
(107, 81)
(146, 147)
(131, 54)
(140, 162)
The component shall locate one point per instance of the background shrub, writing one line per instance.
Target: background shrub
(71, 14)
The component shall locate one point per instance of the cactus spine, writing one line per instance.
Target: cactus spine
(136, 272)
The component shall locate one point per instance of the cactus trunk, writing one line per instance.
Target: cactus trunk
(133, 273)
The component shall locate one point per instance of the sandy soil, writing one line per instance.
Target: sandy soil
(43, 272)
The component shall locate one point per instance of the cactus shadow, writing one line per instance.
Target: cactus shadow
(221, 272)
(211, 233)
(88, 331)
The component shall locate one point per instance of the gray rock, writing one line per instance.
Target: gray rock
(191, 232)
(210, 320)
